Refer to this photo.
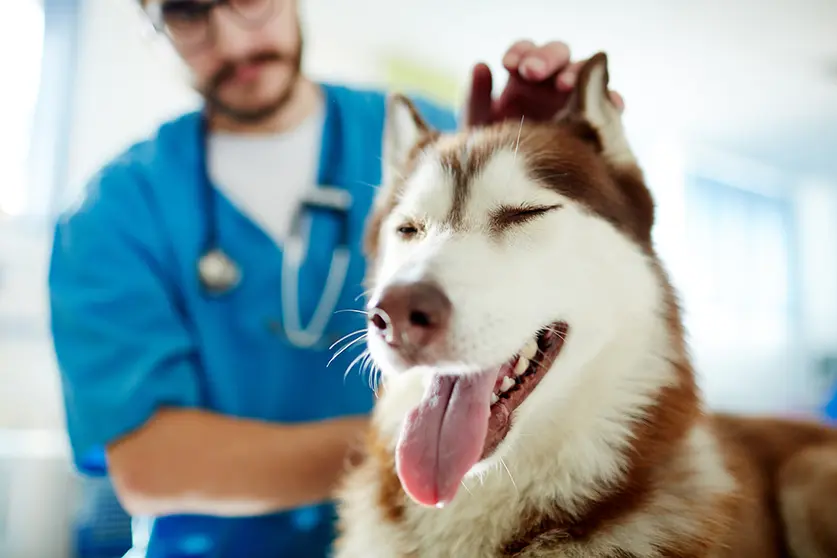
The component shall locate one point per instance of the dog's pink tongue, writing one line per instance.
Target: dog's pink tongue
(444, 436)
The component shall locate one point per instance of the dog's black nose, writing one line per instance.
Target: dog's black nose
(411, 316)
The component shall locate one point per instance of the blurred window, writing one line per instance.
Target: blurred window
(21, 53)
(741, 304)
(740, 242)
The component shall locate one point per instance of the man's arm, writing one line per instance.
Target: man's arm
(131, 380)
(191, 461)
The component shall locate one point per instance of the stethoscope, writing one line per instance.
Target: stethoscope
(219, 273)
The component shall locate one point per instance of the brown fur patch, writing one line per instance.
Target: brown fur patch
(391, 497)
(809, 485)
(767, 452)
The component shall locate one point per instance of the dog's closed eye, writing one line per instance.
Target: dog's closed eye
(505, 217)
(407, 230)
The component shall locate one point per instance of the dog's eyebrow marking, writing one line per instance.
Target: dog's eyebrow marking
(506, 217)
(463, 163)
(452, 163)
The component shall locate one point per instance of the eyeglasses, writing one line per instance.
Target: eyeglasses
(188, 23)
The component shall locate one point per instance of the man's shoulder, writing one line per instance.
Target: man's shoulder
(370, 102)
(123, 177)
(174, 138)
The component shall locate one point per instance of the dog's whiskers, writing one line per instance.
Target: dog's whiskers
(506, 467)
(363, 294)
(554, 175)
(373, 186)
(355, 310)
(354, 362)
(355, 332)
(558, 333)
(345, 347)
(374, 371)
(517, 144)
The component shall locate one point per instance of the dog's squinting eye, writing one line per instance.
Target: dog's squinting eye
(407, 230)
(509, 216)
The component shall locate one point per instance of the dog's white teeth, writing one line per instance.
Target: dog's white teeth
(529, 350)
(507, 384)
(521, 366)
(494, 398)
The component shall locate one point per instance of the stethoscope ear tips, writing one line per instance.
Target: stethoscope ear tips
(217, 272)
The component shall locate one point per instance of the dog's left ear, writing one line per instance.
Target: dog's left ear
(591, 104)
(404, 129)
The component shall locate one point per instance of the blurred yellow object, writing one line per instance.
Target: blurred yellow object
(408, 75)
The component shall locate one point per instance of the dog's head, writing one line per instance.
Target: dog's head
(494, 254)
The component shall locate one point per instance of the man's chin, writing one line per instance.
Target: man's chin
(250, 107)
(250, 112)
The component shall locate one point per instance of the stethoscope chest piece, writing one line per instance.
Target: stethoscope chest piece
(217, 272)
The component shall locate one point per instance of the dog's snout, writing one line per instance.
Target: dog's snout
(411, 316)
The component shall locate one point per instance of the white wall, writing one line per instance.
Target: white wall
(125, 85)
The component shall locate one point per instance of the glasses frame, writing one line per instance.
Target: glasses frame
(154, 12)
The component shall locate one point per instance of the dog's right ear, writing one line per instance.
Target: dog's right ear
(404, 128)
(590, 103)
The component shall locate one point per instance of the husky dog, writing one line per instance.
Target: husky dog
(538, 398)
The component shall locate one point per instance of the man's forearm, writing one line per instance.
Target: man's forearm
(188, 461)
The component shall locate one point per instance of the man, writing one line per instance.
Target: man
(182, 328)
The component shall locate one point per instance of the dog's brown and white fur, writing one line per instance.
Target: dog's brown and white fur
(613, 454)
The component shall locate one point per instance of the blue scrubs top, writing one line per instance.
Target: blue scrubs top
(133, 331)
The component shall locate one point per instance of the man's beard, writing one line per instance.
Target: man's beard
(211, 92)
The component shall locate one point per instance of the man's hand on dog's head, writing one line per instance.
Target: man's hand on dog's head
(541, 79)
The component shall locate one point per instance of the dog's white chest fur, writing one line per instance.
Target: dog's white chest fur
(473, 524)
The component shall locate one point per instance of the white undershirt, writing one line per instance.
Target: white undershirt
(266, 176)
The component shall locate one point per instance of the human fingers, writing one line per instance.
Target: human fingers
(515, 54)
(544, 61)
(566, 79)
(479, 103)
(617, 100)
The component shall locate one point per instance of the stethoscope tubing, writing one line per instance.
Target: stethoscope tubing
(219, 273)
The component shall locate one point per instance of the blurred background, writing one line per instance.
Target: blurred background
(731, 106)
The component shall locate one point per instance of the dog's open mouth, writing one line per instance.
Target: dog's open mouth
(463, 418)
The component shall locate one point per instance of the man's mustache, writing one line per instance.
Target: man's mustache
(228, 70)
